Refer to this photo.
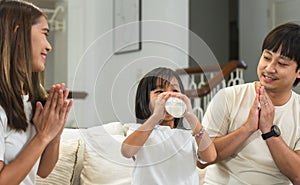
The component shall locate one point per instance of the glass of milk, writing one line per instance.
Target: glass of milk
(175, 107)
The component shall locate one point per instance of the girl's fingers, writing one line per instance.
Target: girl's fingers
(68, 110)
(38, 110)
(181, 96)
(62, 85)
(69, 107)
(162, 98)
(49, 99)
(54, 114)
(66, 93)
(54, 100)
(60, 100)
(63, 110)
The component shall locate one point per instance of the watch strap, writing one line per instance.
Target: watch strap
(275, 131)
(267, 135)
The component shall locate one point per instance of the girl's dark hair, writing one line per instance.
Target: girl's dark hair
(16, 20)
(287, 38)
(149, 82)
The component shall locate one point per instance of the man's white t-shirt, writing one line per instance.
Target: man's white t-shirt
(168, 157)
(253, 163)
(13, 142)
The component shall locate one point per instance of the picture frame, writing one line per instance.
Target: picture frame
(127, 26)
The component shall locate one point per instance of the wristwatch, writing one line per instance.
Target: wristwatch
(275, 131)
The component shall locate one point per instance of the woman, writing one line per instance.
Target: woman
(164, 153)
(29, 130)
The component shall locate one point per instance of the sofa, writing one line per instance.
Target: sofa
(92, 156)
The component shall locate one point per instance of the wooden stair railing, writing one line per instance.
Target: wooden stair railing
(222, 72)
(211, 79)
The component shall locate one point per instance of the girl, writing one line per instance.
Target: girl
(29, 131)
(163, 151)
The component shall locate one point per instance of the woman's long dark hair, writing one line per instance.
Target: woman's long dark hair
(16, 20)
(157, 77)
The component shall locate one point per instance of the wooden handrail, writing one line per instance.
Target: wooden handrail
(225, 71)
(76, 94)
(210, 68)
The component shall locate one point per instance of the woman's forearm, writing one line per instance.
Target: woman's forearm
(11, 173)
(49, 158)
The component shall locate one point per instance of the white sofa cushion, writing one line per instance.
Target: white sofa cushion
(113, 128)
(103, 162)
(63, 172)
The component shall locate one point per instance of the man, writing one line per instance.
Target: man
(256, 126)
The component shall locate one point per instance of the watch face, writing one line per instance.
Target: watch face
(276, 130)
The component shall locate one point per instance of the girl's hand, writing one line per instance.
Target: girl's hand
(70, 103)
(66, 94)
(158, 105)
(49, 120)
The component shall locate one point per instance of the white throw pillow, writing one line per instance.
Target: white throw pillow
(114, 128)
(62, 173)
(103, 162)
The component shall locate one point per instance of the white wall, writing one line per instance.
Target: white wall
(111, 80)
(57, 63)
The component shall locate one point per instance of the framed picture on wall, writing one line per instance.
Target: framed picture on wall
(127, 26)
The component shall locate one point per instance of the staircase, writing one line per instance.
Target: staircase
(205, 81)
